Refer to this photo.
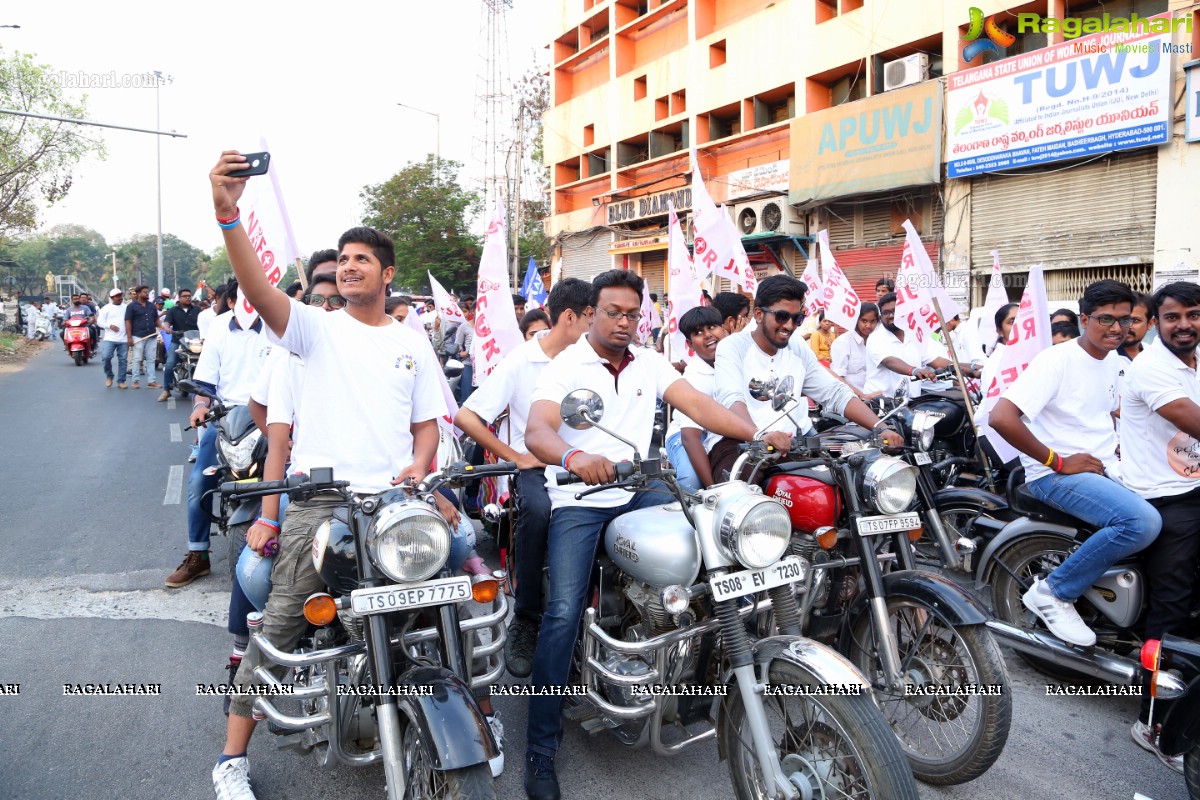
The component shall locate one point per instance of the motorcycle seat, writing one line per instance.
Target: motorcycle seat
(1021, 500)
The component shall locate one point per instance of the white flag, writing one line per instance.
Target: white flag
(814, 300)
(1030, 335)
(447, 306)
(718, 243)
(497, 332)
(915, 250)
(265, 219)
(646, 324)
(996, 299)
(839, 299)
(555, 272)
(683, 287)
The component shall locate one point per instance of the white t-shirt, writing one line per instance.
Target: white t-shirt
(848, 358)
(203, 320)
(702, 377)
(364, 387)
(511, 385)
(279, 384)
(739, 359)
(232, 360)
(112, 314)
(628, 409)
(884, 344)
(1157, 459)
(1067, 398)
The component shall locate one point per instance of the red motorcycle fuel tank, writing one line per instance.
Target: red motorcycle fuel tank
(810, 503)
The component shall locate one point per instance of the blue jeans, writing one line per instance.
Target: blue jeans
(574, 536)
(106, 354)
(685, 473)
(1125, 524)
(169, 368)
(141, 357)
(464, 382)
(199, 522)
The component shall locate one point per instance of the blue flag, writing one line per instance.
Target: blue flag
(532, 289)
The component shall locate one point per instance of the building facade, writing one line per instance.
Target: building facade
(1052, 132)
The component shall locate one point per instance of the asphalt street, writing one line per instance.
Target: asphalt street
(92, 519)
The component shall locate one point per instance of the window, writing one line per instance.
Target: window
(826, 10)
(639, 88)
(716, 54)
(589, 135)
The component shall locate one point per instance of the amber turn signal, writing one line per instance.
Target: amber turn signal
(320, 609)
(915, 534)
(827, 537)
(484, 588)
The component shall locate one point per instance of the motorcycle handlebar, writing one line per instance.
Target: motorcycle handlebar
(624, 471)
(291, 483)
(461, 470)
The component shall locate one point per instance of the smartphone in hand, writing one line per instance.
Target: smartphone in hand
(256, 164)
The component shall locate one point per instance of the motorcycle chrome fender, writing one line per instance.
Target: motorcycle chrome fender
(447, 719)
(945, 597)
(1019, 528)
(824, 663)
(245, 512)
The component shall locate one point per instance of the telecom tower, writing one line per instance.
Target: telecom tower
(492, 147)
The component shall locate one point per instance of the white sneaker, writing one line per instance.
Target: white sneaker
(231, 779)
(497, 763)
(1145, 738)
(1060, 616)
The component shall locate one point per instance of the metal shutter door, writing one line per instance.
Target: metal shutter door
(585, 255)
(654, 271)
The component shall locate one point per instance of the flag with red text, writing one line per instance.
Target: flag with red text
(447, 306)
(497, 332)
(265, 218)
(718, 244)
(814, 299)
(839, 299)
(683, 286)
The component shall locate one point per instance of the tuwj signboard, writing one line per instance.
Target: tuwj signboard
(1108, 91)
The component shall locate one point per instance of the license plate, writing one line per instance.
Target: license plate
(788, 570)
(889, 523)
(922, 459)
(400, 598)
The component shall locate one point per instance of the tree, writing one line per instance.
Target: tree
(36, 156)
(425, 210)
(533, 94)
(180, 259)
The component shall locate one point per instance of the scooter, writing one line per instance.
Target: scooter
(77, 338)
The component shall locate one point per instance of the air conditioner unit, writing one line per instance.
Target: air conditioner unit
(765, 216)
(905, 71)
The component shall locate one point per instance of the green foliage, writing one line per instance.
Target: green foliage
(425, 211)
(36, 156)
(140, 255)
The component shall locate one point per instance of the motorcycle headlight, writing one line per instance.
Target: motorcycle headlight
(755, 530)
(195, 346)
(922, 428)
(889, 485)
(239, 456)
(408, 541)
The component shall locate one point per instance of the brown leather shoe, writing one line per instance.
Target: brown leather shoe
(121, 386)
(153, 385)
(195, 565)
(164, 395)
(108, 383)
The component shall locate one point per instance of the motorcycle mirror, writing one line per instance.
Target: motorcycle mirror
(581, 408)
(901, 396)
(492, 513)
(762, 389)
(783, 393)
(187, 387)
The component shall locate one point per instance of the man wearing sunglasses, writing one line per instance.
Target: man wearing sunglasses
(750, 363)
(1059, 414)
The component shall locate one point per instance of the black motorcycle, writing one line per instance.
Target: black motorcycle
(387, 673)
(187, 353)
(1173, 667)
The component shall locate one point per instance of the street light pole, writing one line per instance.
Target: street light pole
(158, 82)
(438, 131)
(114, 260)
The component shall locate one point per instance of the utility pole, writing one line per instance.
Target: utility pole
(515, 201)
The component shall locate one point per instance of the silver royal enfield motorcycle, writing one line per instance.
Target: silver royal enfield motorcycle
(667, 659)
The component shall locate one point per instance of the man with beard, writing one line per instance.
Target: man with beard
(1059, 414)
(1137, 331)
(1160, 461)
(893, 355)
(180, 318)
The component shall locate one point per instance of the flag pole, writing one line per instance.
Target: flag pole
(962, 386)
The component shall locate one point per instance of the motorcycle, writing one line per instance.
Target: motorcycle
(42, 328)
(386, 673)
(920, 639)
(241, 456)
(77, 338)
(1173, 667)
(667, 659)
(187, 356)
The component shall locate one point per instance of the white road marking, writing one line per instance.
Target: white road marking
(81, 596)
(174, 485)
(171, 403)
(176, 433)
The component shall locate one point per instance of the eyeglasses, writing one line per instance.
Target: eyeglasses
(633, 317)
(335, 301)
(1107, 320)
(782, 316)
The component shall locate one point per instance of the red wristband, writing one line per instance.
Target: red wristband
(1058, 463)
(237, 212)
(567, 460)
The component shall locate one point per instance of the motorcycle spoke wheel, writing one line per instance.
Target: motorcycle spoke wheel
(948, 738)
(426, 783)
(831, 747)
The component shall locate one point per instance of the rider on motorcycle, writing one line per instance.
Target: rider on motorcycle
(1160, 453)
(893, 355)
(1059, 414)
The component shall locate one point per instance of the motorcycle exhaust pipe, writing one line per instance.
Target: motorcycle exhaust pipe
(1097, 663)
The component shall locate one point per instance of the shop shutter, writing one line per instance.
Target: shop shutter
(654, 271)
(1067, 218)
(585, 255)
(865, 265)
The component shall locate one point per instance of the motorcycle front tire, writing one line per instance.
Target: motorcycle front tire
(1191, 771)
(842, 741)
(468, 783)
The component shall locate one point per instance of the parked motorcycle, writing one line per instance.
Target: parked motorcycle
(1173, 666)
(920, 639)
(386, 674)
(670, 627)
(43, 329)
(187, 356)
(1037, 540)
(77, 338)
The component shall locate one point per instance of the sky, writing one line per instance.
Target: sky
(321, 85)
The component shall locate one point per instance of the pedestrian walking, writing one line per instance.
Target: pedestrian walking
(141, 326)
(111, 320)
